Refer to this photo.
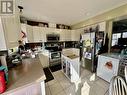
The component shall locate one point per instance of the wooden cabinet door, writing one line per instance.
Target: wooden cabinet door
(29, 31)
(62, 35)
(67, 35)
(50, 31)
(102, 26)
(75, 35)
(43, 34)
(36, 34)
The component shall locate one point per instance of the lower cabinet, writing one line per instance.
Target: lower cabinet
(34, 89)
(107, 67)
(71, 68)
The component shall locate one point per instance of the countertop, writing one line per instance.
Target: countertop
(112, 55)
(73, 56)
(29, 72)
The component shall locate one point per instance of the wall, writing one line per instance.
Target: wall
(117, 12)
(2, 37)
(11, 28)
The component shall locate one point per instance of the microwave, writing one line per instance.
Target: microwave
(53, 37)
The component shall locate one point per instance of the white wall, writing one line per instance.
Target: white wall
(2, 38)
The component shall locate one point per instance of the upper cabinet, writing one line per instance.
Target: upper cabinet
(75, 35)
(38, 34)
(43, 34)
(102, 26)
(12, 29)
(62, 35)
(29, 31)
(67, 35)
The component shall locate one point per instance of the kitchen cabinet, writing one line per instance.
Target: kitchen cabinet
(70, 67)
(50, 30)
(57, 31)
(62, 35)
(102, 26)
(75, 35)
(108, 65)
(29, 31)
(45, 31)
(67, 35)
(36, 34)
(27, 82)
(12, 29)
(33, 89)
(43, 34)
(71, 64)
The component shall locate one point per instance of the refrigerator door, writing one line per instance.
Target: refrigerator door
(88, 50)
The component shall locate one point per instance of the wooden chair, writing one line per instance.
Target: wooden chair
(118, 86)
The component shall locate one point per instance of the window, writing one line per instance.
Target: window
(115, 38)
(124, 35)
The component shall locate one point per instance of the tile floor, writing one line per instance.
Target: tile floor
(89, 84)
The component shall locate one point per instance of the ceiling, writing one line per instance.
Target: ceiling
(66, 11)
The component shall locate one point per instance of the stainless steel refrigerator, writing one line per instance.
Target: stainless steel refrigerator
(92, 44)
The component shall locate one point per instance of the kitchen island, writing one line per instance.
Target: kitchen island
(26, 79)
(71, 64)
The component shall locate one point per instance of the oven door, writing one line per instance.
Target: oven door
(55, 55)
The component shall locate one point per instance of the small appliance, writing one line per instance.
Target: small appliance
(53, 37)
